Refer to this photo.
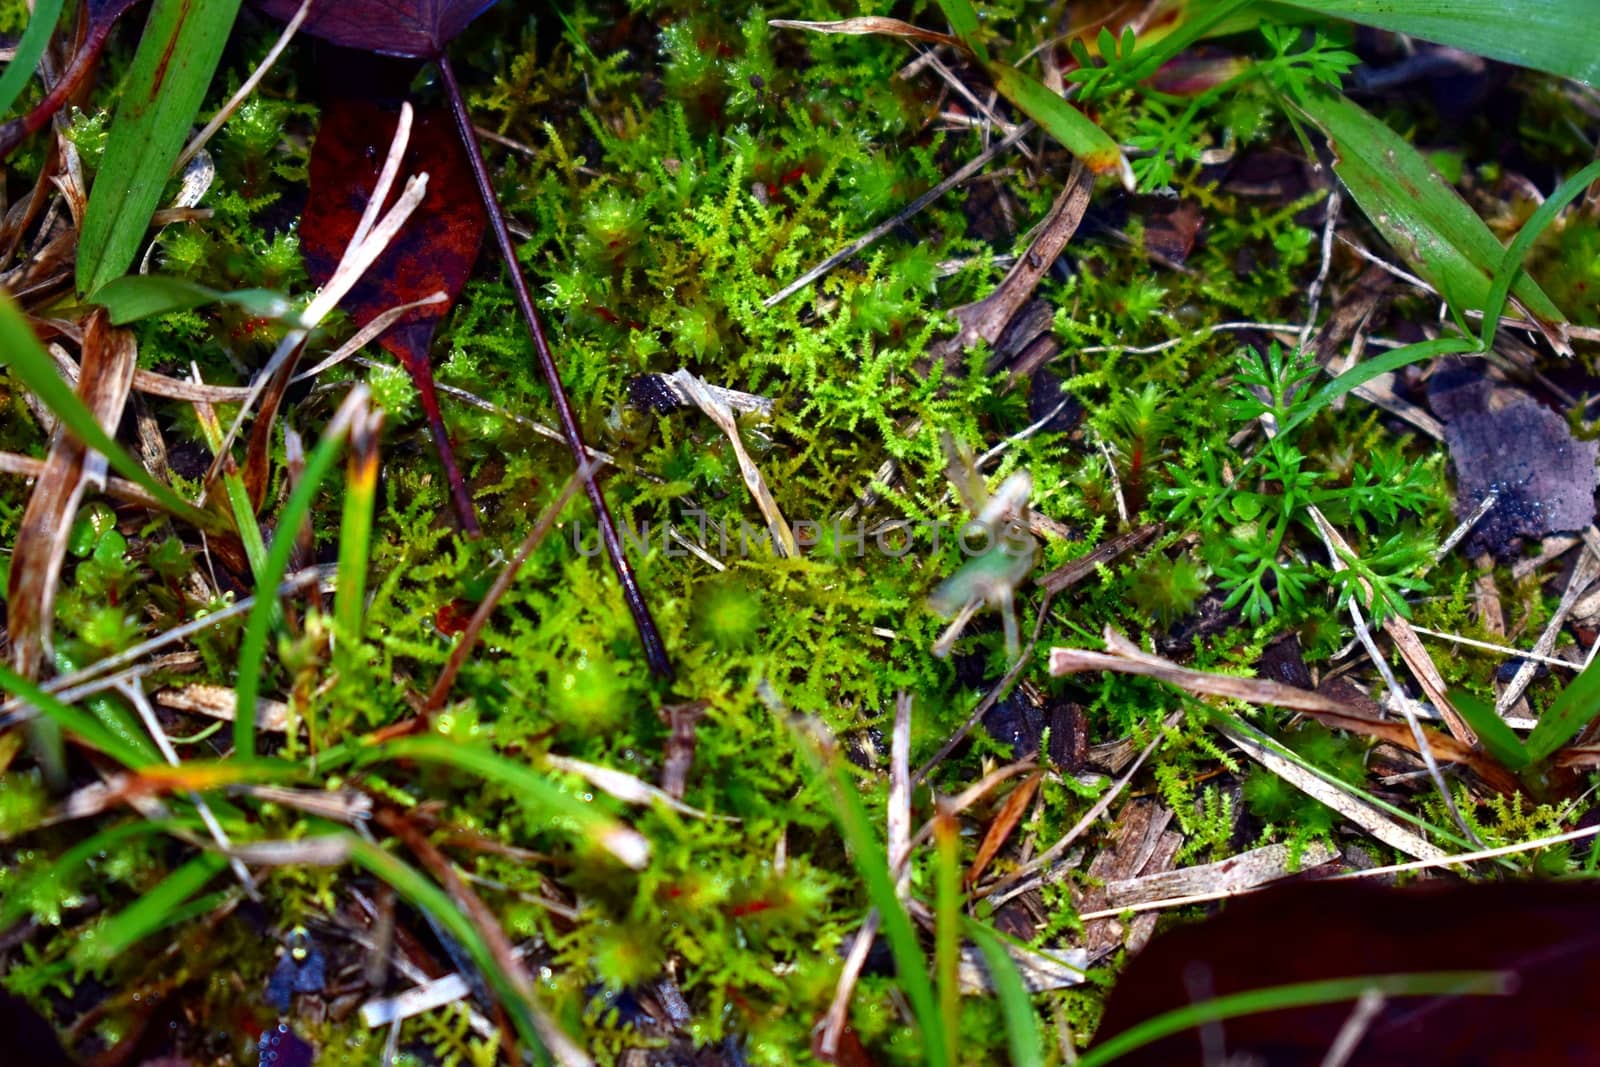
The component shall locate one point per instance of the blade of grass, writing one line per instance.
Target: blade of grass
(1202, 19)
(1022, 1026)
(46, 13)
(20, 895)
(947, 925)
(1574, 709)
(253, 647)
(1368, 369)
(152, 911)
(1497, 737)
(533, 789)
(964, 21)
(1298, 995)
(1416, 210)
(1556, 36)
(177, 55)
(872, 864)
(133, 297)
(1275, 746)
(1510, 269)
(422, 894)
(25, 357)
(355, 533)
(233, 487)
(88, 728)
(1062, 121)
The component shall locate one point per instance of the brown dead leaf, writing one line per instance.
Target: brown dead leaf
(1004, 822)
(986, 319)
(868, 25)
(104, 381)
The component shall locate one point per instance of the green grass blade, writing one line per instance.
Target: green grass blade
(74, 719)
(424, 895)
(1201, 19)
(1368, 369)
(233, 487)
(133, 297)
(177, 55)
(534, 790)
(1299, 995)
(22, 893)
(1498, 739)
(1416, 210)
(1022, 1025)
(253, 647)
(1556, 36)
(1510, 268)
(21, 353)
(46, 13)
(1574, 709)
(965, 24)
(1399, 814)
(152, 911)
(1061, 120)
(872, 864)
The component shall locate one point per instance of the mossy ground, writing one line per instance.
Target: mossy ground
(680, 164)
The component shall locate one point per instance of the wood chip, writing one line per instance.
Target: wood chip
(218, 702)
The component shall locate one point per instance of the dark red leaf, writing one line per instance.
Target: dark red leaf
(418, 29)
(1547, 934)
(102, 15)
(433, 252)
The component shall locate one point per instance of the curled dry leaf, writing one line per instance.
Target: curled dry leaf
(433, 253)
(1005, 821)
(104, 381)
(867, 25)
(416, 29)
(1544, 933)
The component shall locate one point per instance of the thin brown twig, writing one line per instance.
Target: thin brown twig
(480, 618)
(655, 649)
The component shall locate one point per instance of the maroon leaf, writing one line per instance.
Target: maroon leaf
(1546, 934)
(433, 252)
(101, 16)
(418, 29)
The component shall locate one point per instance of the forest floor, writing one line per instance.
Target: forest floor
(1023, 586)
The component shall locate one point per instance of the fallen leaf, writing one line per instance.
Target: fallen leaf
(420, 29)
(1546, 934)
(434, 251)
(1005, 821)
(104, 381)
(416, 29)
